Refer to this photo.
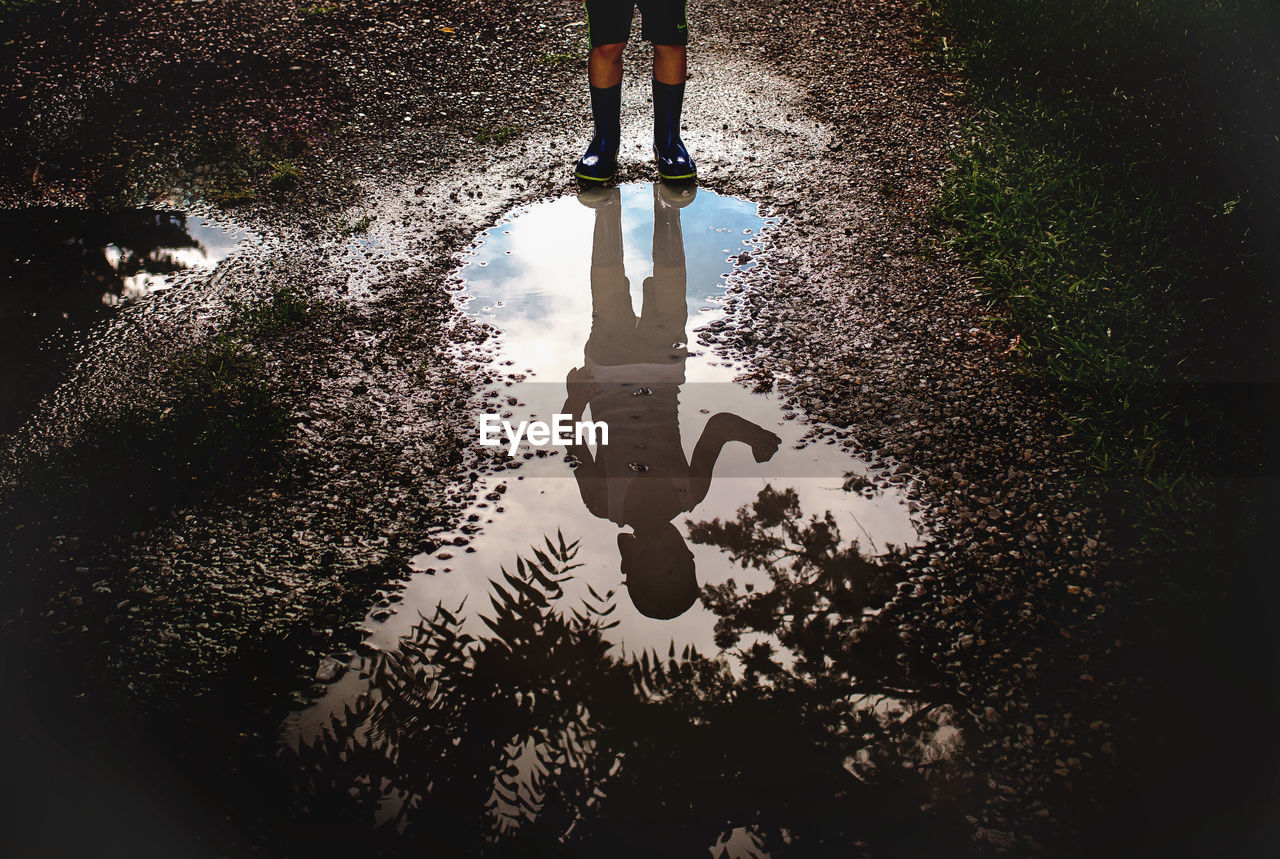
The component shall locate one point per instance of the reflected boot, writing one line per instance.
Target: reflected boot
(674, 162)
(600, 161)
(600, 197)
(674, 196)
(668, 239)
(665, 311)
(606, 238)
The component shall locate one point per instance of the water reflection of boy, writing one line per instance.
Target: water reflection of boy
(631, 380)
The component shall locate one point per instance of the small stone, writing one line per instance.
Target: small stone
(330, 669)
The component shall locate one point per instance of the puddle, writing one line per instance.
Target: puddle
(621, 323)
(63, 270)
(710, 530)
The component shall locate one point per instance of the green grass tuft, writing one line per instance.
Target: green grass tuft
(280, 310)
(557, 59)
(498, 134)
(229, 194)
(284, 175)
(359, 226)
(13, 8)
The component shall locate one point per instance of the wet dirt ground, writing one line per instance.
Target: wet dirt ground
(173, 643)
(66, 269)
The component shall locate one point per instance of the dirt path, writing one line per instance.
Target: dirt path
(828, 116)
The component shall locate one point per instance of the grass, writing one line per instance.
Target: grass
(229, 194)
(220, 416)
(1080, 273)
(1109, 199)
(1116, 198)
(359, 226)
(561, 59)
(282, 309)
(235, 182)
(284, 175)
(232, 174)
(498, 134)
(317, 10)
(12, 8)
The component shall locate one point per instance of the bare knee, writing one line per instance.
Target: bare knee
(670, 63)
(608, 53)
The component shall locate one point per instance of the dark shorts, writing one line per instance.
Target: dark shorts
(662, 22)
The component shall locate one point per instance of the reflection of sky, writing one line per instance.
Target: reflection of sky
(544, 282)
(213, 244)
(217, 242)
(531, 278)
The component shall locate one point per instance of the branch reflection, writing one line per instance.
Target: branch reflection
(539, 737)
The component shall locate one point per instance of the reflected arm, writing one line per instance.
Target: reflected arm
(590, 483)
(721, 429)
(575, 406)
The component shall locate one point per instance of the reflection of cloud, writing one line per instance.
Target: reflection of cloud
(210, 245)
(552, 237)
(543, 322)
(139, 285)
(170, 257)
(214, 242)
(544, 282)
(189, 257)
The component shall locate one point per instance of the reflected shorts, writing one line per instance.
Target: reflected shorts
(662, 22)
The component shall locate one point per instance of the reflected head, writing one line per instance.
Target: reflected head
(659, 571)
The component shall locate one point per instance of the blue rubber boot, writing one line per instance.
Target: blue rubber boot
(674, 161)
(600, 161)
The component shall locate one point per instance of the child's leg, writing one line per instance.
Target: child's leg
(665, 25)
(669, 72)
(604, 65)
(608, 24)
(670, 63)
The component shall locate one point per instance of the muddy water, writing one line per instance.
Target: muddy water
(63, 270)
(710, 525)
(609, 290)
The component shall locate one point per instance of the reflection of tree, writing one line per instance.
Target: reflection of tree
(537, 738)
(821, 587)
(56, 264)
(61, 249)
